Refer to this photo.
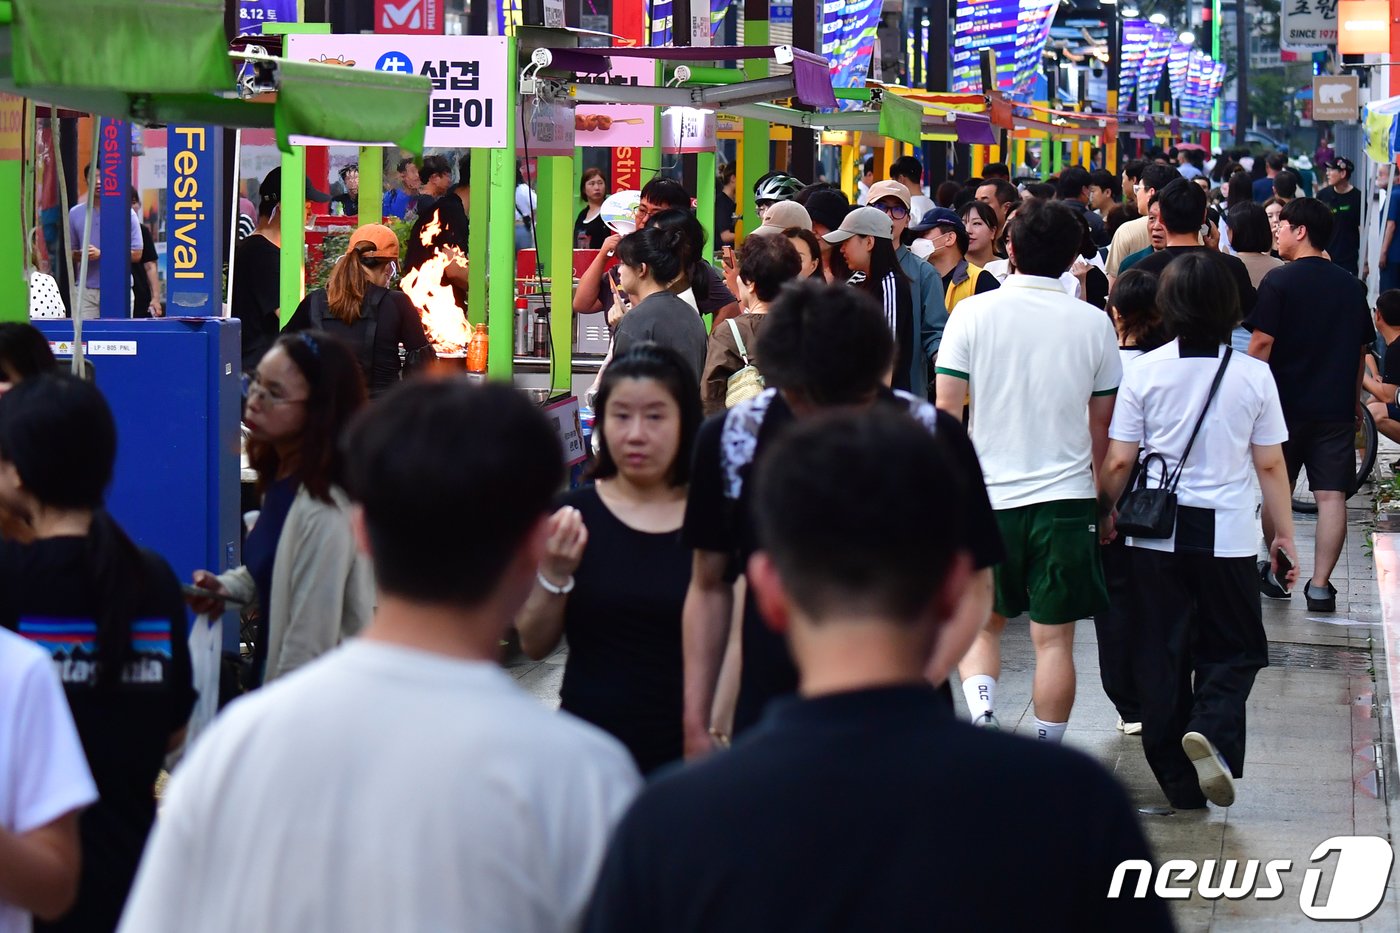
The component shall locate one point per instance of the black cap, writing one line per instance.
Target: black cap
(271, 189)
(1342, 165)
(827, 208)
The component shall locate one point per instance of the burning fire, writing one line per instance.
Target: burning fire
(443, 320)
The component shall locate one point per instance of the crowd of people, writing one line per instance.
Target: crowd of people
(829, 471)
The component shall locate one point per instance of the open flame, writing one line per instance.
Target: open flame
(443, 320)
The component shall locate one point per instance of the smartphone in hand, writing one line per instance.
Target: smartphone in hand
(1285, 564)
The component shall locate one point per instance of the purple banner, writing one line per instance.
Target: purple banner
(1015, 31)
(1178, 67)
(252, 14)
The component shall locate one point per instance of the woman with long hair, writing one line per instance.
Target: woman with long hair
(809, 253)
(980, 220)
(358, 306)
(589, 229)
(108, 612)
(649, 263)
(866, 242)
(615, 571)
(1203, 414)
(300, 567)
(766, 264)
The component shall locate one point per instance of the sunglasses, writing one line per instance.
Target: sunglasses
(896, 211)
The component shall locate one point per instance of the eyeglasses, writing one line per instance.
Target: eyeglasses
(644, 211)
(270, 397)
(896, 211)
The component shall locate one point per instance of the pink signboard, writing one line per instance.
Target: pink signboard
(614, 125)
(468, 105)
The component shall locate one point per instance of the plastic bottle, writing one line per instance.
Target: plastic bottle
(476, 350)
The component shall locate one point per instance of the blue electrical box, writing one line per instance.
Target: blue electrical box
(174, 386)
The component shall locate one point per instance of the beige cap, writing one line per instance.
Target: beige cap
(781, 216)
(887, 189)
(863, 221)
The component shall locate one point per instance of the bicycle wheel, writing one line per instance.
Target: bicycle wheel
(1367, 444)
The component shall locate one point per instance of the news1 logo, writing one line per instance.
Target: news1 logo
(1358, 881)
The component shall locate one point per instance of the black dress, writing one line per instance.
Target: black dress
(623, 624)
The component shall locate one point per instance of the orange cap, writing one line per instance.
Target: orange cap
(385, 243)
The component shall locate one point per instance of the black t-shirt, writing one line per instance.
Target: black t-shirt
(1318, 316)
(716, 522)
(45, 596)
(140, 285)
(1345, 248)
(847, 812)
(1159, 260)
(395, 321)
(257, 278)
(1391, 373)
(589, 234)
(452, 217)
(623, 624)
(724, 214)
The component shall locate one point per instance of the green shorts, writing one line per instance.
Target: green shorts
(1052, 564)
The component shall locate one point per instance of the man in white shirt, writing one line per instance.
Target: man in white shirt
(1042, 368)
(404, 781)
(44, 783)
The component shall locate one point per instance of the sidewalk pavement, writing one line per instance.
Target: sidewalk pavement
(1316, 760)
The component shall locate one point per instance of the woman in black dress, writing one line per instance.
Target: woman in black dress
(615, 573)
(589, 229)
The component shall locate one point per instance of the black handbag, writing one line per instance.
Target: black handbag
(1151, 513)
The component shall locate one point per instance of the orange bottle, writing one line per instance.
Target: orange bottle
(476, 350)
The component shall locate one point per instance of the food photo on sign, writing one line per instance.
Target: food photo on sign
(619, 125)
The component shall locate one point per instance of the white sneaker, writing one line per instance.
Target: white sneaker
(1129, 728)
(1212, 773)
(987, 721)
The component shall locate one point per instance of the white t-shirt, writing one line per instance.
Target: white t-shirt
(384, 788)
(1001, 270)
(1159, 401)
(919, 205)
(43, 772)
(1033, 357)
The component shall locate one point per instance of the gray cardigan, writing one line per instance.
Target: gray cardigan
(322, 586)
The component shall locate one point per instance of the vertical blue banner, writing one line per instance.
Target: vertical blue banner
(193, 222)
(112, 225)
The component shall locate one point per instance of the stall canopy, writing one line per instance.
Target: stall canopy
(167, 61)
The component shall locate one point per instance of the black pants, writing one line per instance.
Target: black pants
(1114, 629)
(1195, 615)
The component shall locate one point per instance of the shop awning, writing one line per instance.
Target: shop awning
(166, 61)
(809, 83)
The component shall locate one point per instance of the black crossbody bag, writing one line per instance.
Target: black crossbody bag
(1151, 513)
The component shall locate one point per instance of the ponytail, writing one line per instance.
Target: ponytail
(345, 293)
(119, 584)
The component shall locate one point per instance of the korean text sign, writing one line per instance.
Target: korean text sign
(626, 124)
(193, 221)
(468, 104)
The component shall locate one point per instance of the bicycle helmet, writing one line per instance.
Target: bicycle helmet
(776, 186)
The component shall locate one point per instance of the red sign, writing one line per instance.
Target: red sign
(629, 22)
(408, 17)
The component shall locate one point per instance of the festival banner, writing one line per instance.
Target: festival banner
(111, 228)
(1015, 31)
(1136, 38)
(193, 221)
(1150, 73)
(1178, 68)
(1032, 31)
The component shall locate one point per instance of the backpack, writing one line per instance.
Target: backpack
(738, 439)
(748, 381)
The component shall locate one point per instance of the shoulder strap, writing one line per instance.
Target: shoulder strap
(738, 340)
(1214, 387)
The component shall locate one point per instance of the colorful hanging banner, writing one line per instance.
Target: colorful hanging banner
(1178, 68)
(1137, 36)
(1150, 72)
(1016, 31)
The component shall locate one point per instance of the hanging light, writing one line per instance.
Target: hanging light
(1131, 12)
(1159, 18)
(1187, 38)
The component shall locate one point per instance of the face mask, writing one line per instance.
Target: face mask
(922, 248)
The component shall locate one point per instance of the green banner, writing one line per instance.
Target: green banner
(353, 106)
(901, 119)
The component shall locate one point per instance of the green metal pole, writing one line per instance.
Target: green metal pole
(560, 203)
(477, 256)
(546, 213)
(291, 214)
(500, 287)
(755, 132)
(371, 203)
(14, 278)
(705, 196)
